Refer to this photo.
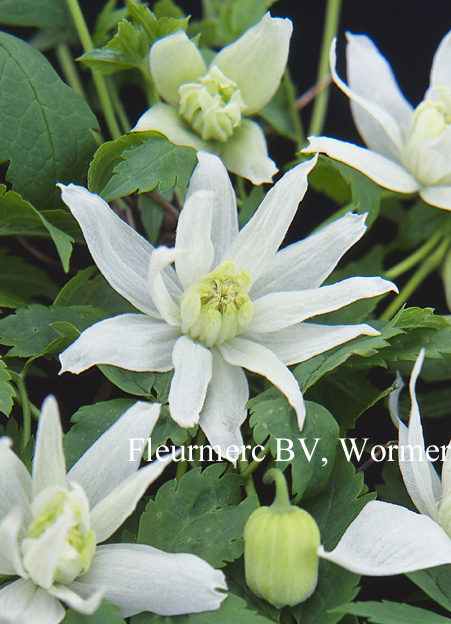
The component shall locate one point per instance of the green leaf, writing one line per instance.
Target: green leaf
(155, 28)
(105, 614)
(325, 178)
(436, 583)
(152, 216)
(419, 223)
(21, 282)
(167, 429)
(46, 126)
(203, 516)
(280, 111)
(82, 290)
(272, 415)
(30, 333)
(7, 392)
(140, 161)
(386, 612)
(366, 194)
(42, 14)
(167, 8)
(132, 382)
(250, 205)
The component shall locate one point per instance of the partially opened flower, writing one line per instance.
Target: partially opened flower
(231, 302)
(208, 106)
(409, 149)
(50, 524)
(387, 539)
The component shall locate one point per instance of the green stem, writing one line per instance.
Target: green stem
(430, 264)
(295, 114)
(282, 499)
(250, 485)
(120, 110)
(256, 462)
(99, 80)
(330, 30)
(35, 412)
(69, 69)
(26, 411)
(414, 258)
(240, 188)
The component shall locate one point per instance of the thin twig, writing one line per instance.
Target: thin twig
(309, 95)
(370, 461)
(40, 256)
(170, 208)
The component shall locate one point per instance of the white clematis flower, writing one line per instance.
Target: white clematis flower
(387, 539)
(232, 302)
(409, 149)
(50, 524)
(207, 107)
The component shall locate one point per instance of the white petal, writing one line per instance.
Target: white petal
(121, 254)
(165, 119)
(72, 599)
(22, 602)
(140, 578)
(131, 341)
(193, 237)
(385, 172)
(10, 555)
(111, 512)
(381, 117)
(386, 539)
(432, 163)
(441, 65)
(49, 463)
(167, 307)
(15, 483)
(307, 263)
(259, 359)
(192, 374)
(224, 410)
(282, 309)
(256, 61)
(302, 341)
(439, 196)
(258, 241)
(175, 60)
(371, 77)
(246, 153)
(99, 477)
(211, 175)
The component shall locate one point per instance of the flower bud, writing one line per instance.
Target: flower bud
(280, 550)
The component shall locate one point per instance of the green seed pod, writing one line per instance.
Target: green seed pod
(280, 549)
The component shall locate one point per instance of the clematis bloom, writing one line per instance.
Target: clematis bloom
(231, 302)
(50, 524)
(388, 539)
(409, 150)
(208, 107)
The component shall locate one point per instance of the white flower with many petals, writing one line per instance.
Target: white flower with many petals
(50, 524)
(387, 539)
(231, 302)
(208, 106)
(409, 149)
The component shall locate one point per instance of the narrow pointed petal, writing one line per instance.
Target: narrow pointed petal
(165, 119)
(49, 463)
(131, 341)
(246, 153)
(307, 263)
(258, 359)
(10, 556)
(256, 61)
(258, 241)
(302, 341)
(192, 374)
(371, 77)
(211, 175)
(382, 119)
(385, 172)
(175, 60)
(193, 238)
(140, 578)
(224, 410)
(387, 539)
(120, 253)
(23, 601)
(167, 307)
(418, 473)
(440, 70)
(86, 606)
(111, 512)
(98, 477)
(15, 483)
(278, 310)
(439, 196)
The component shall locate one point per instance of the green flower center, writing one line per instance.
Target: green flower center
(212, 105)
(217, 307)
